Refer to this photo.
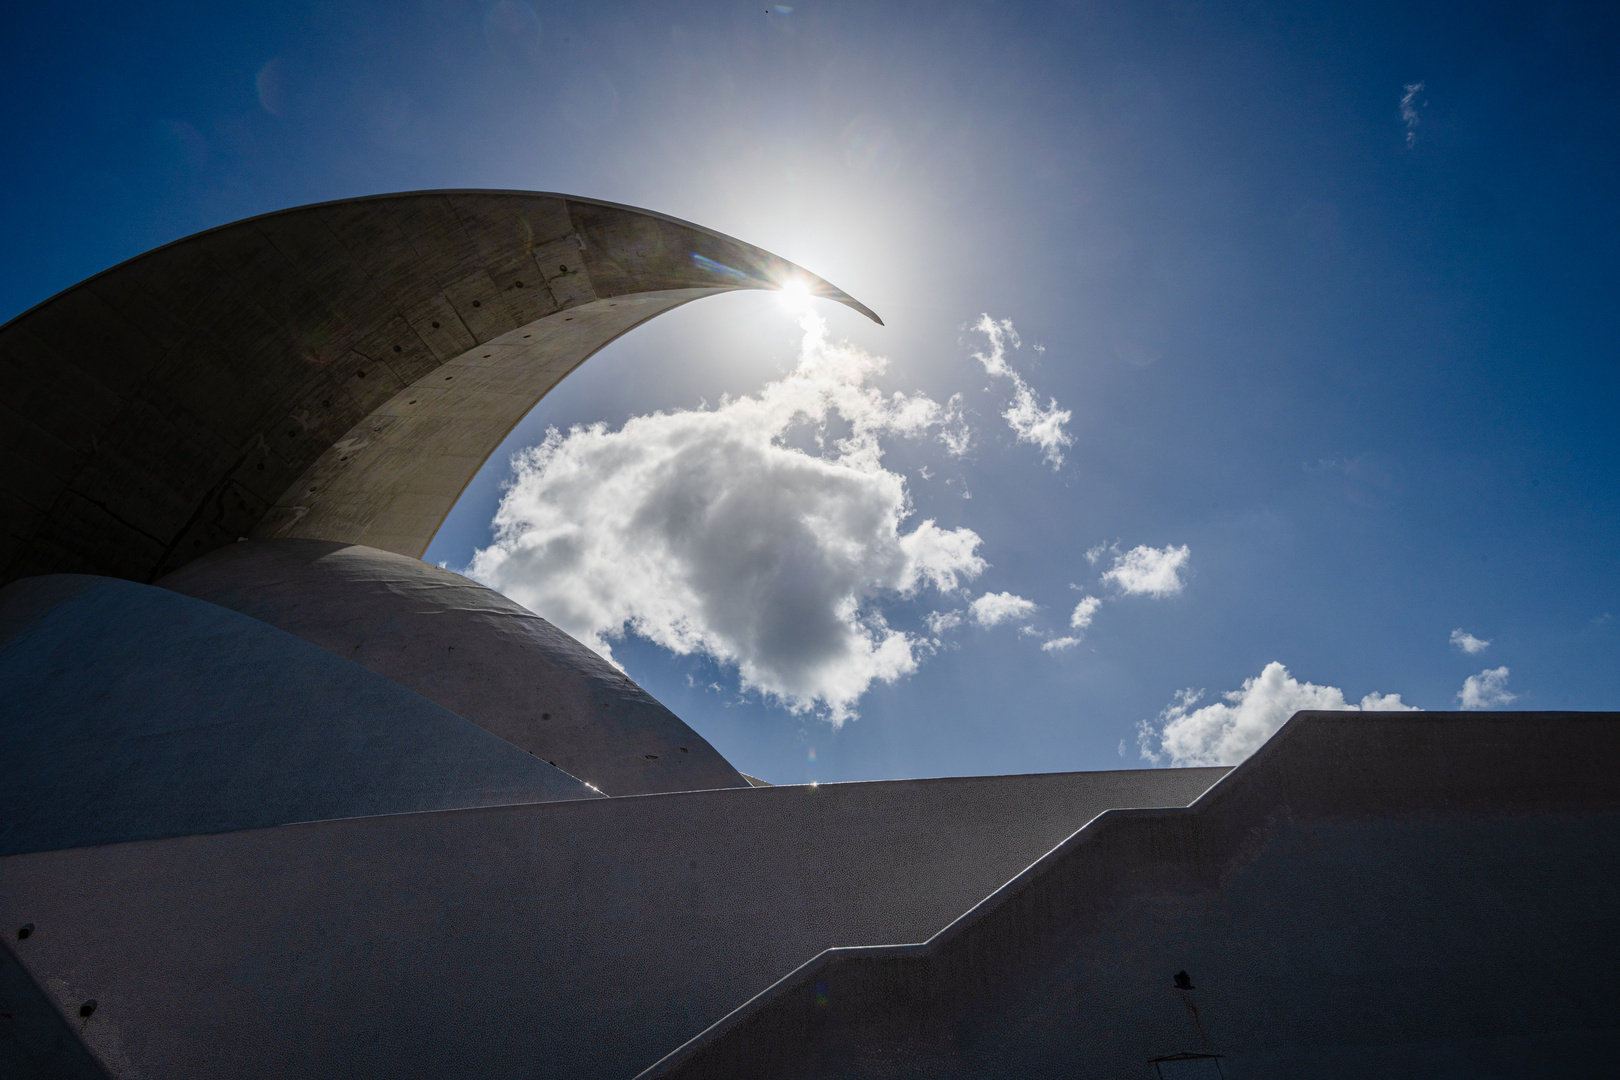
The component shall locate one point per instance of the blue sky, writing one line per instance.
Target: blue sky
(1327, 294)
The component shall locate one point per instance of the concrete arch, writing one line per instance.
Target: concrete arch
(334, 372)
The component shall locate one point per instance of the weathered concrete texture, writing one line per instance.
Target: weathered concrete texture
(1412, 895)
(581, 939)
(336, 371)
(468, 648)
(132, 712)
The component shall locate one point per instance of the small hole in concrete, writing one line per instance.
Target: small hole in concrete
(568, 318)
(486, 356)
(25, 931)
(553, 764)
(292, 434)
(528, 335)
(545, 716)
(684, 750)
(477, 304)
(564, 269)
(312, 489)
(411, 402)
(327, 403)
(1183, 981)
(87, 1008)
(447, 378)
(261, 466)
(398, 349)
(435, 326)
(360, 374)
(519, 284)
(650, 757)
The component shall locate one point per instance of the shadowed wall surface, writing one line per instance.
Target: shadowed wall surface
(131, 712)
(578, 939)
(337, 371)
(1416, 895)
(469, 649)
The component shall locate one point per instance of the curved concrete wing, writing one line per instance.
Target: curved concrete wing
(132, 712)
(335, 372)
(469, 649)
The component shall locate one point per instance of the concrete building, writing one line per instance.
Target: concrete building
(279, 799)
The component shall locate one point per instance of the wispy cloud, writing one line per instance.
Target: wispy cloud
(1409, 112)
(993, 609)
(702, 531)
(1058, 644)
(1467, 642)
(941, 622)
(1485, 690)
(1029, 420)
(1149, 571)
(1226, 732)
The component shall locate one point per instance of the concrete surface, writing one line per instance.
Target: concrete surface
(579, 939)
(131, 712)
(336, 371)
(1392, 894)
(469, 649)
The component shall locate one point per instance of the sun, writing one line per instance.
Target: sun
(794, 295)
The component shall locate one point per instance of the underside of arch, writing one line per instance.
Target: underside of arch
(333, 372)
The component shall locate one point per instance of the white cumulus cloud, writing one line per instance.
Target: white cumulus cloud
(1029, 420)
(1467, 642)
(993, 609)
(1486, 689)
(1148, 571)
(1084, 612)
(1226, 732)
(704, 532)
(1058, 644)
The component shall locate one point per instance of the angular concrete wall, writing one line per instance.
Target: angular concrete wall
(469, 649)
(336, 371)
(132, 712)
(1413, 895)
(581, 939)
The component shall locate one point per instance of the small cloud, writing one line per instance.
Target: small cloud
(993, 609)
(1147, 571)
(1084, 612)
(271, 84)
(1058, 644)
(1467, 642)
(1093, 554)
(938, 622)
(954, 431)
(1226, 732)
(1409, 112)
(1486, 689)
(1029, 420)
